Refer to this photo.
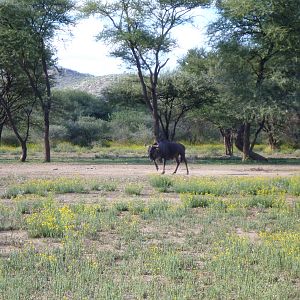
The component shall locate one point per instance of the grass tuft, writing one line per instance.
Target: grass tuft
(133, 189)
(162, 183)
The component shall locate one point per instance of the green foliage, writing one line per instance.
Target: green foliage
(87, 130)
(179, 93)
(67, 147)
(294, 185)
(252, 67)
(11, 219)
(158, 209)
(9, 138)
(109, 186)
(58, 133)
(73, 104)
(193, 201)
(43, 186)
(162, 183)
(229, 186)
(51, 221)
(26, 48)
(133, 189)
(125, 93)
(130, 126)
(142, 26)
(262, 201)
(209, 200)
(139, 33)
(27, 204)
(240, 263)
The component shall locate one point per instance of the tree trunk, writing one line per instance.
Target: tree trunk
(46, 135)
(228, 141)
(156, 130)
(164, 133)
(1, 130)
(151, 105)
(274, 145)
(24, 151)
(273, 142)
(239, 143)
(46, 106)
(45, 103)
(23, 142)
(246, 141)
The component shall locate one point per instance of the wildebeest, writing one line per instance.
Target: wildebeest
(166, 150)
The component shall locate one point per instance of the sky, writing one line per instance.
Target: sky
(78, 49)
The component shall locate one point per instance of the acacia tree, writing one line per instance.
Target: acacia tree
(17, 99)
(35, 23)
(140, 33)
(17, 103)
(203, 64)
(179, 93)
(237, 85)
(263, 32)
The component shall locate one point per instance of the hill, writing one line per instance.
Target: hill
(66, 79)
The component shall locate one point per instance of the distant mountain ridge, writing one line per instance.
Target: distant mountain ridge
(66, 79)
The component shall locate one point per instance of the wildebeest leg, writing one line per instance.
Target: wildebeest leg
(163, 172)
(187, 170)
(156, 165)
(178, 162)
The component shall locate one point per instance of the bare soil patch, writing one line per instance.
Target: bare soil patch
(251, 235)
(16, 240)
(37, 170)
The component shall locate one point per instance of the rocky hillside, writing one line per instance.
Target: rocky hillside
(69, 79)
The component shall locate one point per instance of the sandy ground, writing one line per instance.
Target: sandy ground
(140, 171)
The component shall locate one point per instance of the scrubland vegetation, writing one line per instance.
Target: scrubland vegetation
(160, 237)
(241, 88)
(114, 152)
(233, 100)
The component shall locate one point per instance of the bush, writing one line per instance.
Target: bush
(131, 126)
(162, 183)
(134, 189)
(51, 221)
(58, 133)
(8, 138)
(193, 201)
(87, 130)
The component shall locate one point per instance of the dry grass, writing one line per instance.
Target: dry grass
(113, 243)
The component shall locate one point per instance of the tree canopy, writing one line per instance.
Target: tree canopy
(140, 34)
(29, 27)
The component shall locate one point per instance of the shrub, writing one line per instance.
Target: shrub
(108, 186)
(10, 218)
(44, 186)
(193, 201)
(161, 183)
(294, 185)
(130, 126)
(58, 133)
(87, 130)
(51, 221)
(133, 189)
(8, 138)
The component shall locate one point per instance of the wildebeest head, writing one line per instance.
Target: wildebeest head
(154, 152)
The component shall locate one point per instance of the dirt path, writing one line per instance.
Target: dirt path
(133, 171)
